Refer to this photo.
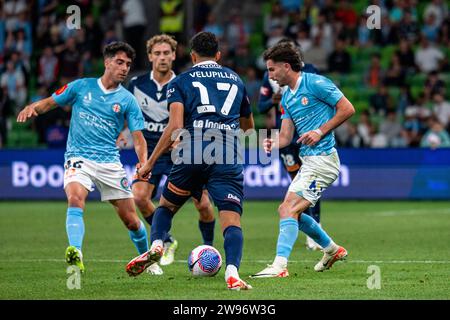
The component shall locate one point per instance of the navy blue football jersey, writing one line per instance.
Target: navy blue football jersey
(214, 97)
(152, 99)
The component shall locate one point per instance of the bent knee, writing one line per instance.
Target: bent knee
(285, 211)
(75, 200)
(205, 210)
(141, 200)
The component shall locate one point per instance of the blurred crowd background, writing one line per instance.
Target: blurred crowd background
(396, 76)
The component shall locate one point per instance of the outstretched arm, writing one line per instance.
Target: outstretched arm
(36, 108)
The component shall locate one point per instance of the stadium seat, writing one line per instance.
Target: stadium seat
(418, 80)
(416, 90)
(360, 66)
(350, 92)
(352, 80)
(365, 93)
(394, 93)
(386, 55)
(366, 53)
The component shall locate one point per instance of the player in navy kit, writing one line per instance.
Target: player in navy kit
(150, 91)
(269, 104)
(206, 96)
(99, 110)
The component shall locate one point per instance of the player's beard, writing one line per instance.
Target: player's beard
(281, 83)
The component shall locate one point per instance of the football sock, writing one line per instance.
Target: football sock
(233, 243)
(162, 222)
(149, 219)
(207, 230)
(331, 248)
(280, 261)
(139, 238)
(287, 236)
(312, 229)
(75, 226)
(231, 271)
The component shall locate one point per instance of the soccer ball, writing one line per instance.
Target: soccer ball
(204, 261)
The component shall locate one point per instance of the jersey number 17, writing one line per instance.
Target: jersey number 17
(222, 86)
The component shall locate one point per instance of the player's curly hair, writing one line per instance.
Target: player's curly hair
(205, 44)
(161, 38)
(111, 49)
(285, 52)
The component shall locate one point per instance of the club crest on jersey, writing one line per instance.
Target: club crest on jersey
(304, 101)
(116, 107)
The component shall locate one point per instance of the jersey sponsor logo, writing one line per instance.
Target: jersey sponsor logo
(154, 126)
(304, 101)
(92, 120)
(233, 197)
(116, 107)
(61, 90)
(208, 124)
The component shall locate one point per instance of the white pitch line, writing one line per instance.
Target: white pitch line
(410, 212)
(257, 261)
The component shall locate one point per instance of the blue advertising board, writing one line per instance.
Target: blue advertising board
(365, 174)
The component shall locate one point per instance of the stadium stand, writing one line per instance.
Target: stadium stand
(38, 53)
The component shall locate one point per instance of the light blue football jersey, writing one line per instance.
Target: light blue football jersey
(97, 118)
(310, 105)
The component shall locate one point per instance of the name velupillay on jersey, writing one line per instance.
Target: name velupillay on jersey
(213, 74)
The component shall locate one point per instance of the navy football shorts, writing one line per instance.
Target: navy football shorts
(225, 184)
(161, 168)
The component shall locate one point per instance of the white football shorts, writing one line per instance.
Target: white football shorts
(110, 178)
(315, 175)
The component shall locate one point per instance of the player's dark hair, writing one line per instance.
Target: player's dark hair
(111, 49)
(205, 44)
(285, 52)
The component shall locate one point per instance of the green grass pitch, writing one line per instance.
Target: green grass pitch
(408, 241)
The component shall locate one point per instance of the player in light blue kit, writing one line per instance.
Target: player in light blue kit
(99, 108)
(313, 106)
